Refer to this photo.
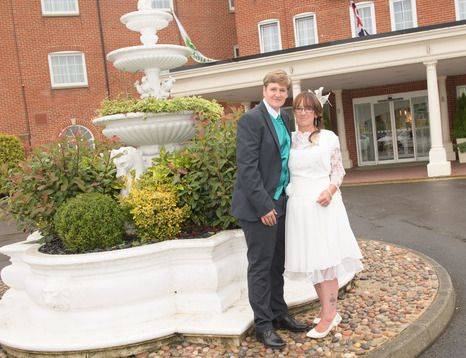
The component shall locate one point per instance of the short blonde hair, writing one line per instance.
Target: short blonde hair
(277, 76)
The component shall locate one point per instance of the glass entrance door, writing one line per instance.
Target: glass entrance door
(393, 130)
(383, 125)
(404, 129)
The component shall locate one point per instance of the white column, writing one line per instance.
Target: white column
(442, 84)
(246, 106)
(347, 163)
(296, 87)
(438, 164)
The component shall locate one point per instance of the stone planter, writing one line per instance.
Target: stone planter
(114, 299)
(149, 131)
(461, 156)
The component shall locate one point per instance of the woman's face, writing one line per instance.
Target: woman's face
(304, 115)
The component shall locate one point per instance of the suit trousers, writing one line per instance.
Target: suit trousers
(266, 264)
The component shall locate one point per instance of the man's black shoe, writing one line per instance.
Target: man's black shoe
(270, 339)
(289, 323)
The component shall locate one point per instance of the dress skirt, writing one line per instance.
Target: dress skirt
(319, 241)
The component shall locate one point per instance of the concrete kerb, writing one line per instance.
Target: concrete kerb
(420, 334)
(403, 181)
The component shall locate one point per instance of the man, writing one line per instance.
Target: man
(259, 202)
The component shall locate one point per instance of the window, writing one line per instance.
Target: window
(67, 69)
(460, 90)
(460, 6)
(269, 36)
(305, 29)
(60, 7)
(79, 131)
(231, 5)
(235, 51)
(367, 12)
(403, 14)
(162, 4)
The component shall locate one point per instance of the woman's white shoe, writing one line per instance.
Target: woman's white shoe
(314, 334)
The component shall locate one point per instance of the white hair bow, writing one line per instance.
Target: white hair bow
(322, 99)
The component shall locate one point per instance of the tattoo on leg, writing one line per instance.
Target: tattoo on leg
(333, 300)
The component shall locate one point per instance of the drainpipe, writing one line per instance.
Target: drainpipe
(23, 89)
(102, 46)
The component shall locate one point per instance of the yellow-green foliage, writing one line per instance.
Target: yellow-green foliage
(11, 153)
(155, 212)
(11, 149)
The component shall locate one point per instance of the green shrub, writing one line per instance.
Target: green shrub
(204, 109)
(54, 174)
(461, 147)
(11, 153)
(154, 210)
(459, 123)
(203, 173)
(88, 222)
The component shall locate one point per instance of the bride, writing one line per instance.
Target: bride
(319, 241)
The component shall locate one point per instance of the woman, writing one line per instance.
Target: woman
(319, 241)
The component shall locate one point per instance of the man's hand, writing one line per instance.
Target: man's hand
(269, 219)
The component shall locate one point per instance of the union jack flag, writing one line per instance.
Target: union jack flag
(361, 30)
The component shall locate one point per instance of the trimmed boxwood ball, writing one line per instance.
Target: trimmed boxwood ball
(89, 222)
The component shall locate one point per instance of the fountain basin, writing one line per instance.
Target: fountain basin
(95, 301)
(139, 128)
(149, 131)
(163, 57)
(139, 20)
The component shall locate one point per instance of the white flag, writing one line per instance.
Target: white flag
(197, 56)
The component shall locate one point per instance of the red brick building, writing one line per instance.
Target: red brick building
(394, 92)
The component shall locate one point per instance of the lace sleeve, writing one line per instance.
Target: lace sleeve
(337, 172)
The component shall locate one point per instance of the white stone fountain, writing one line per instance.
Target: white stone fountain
(148, 132)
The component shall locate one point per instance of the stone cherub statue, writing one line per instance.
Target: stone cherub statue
(144, 88)
(166, 87)
(130, 165)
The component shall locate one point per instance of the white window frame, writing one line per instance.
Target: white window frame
(305, 14)
(79, 126)
(170, 8)
(59, 13)
(235, 50)
(392, 14)
(460, 90)
(231, 7)
(68, 85)
(457, 11)
(352, 19)
(267, 22)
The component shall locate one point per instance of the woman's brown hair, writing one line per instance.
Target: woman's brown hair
(308, 99)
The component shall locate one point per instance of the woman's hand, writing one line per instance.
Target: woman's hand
(269, 219)
(324, 198)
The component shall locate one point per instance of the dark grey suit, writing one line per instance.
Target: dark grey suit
(259, 168)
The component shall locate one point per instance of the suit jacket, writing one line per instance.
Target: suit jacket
(259, 163)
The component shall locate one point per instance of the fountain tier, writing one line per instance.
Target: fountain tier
(163, 57)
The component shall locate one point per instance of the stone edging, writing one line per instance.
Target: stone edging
(420, 334)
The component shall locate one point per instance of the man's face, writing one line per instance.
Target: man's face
(275, 95)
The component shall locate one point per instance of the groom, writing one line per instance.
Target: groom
(259, 202)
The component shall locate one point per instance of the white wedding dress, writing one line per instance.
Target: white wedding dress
(319, 241)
